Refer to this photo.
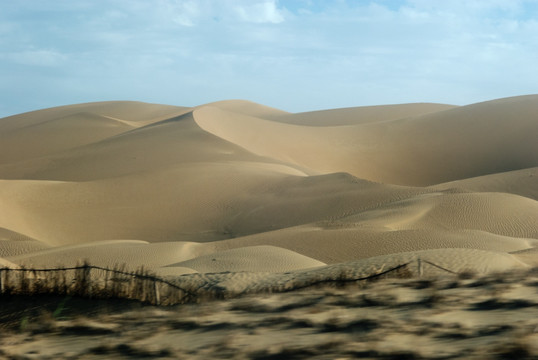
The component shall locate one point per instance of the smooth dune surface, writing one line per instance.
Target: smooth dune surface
(238, 187)
(251, 258)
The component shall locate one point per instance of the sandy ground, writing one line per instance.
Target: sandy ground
(242, 197)
(492, 317)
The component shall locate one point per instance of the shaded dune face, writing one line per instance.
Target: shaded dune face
(246, 184)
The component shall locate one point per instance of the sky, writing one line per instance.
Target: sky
(297, 55)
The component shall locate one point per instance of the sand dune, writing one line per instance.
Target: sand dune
(132, 253)
(58, 135)
(252, 259)
(7, 264)
(241, 187)
(496, 213)
(336, 244)
(419, 150)
(355, 116)
(45, 132)
(528, 256)
(520, 182)
(248, 108)
(131, 111)
(14, 247)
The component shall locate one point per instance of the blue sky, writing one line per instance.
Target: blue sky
(295, 55)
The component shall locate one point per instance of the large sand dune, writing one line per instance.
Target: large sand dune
(238, 186)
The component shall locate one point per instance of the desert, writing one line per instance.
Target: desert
(264, 215)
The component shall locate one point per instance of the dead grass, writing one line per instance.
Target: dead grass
(88, 281)
(92, 282)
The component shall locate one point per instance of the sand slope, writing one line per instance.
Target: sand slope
(132, 253)
(262, 190)
(520, 182)
(252, 258)
(361, 115)
(417, 150)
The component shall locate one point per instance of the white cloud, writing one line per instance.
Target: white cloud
(185, 12)
(201, 12)
(261, 12)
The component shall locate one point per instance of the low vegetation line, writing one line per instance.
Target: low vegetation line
(90, 281)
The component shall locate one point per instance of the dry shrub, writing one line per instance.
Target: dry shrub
(87, 281)
(467, 274)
